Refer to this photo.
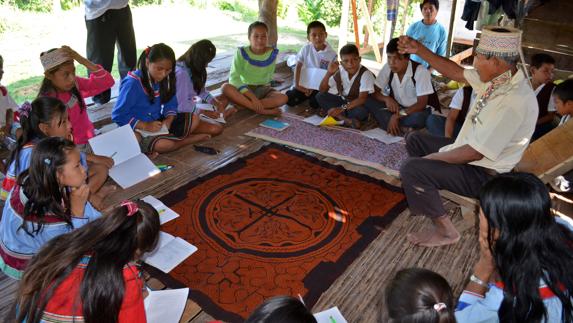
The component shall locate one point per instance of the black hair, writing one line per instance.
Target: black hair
(392, 48)
(196, 59)
(349, 49)
(40, 184)
(257, 24)
(315, 24)
(564, 91)
(435, 3)
(528, 246)
(412, 295)
(539, 59)
(48, 88)
(43, 110)
(112, 242)
(1, 60)
(167, 85)
(281, 309)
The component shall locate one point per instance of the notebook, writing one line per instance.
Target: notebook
(170, 252)
(131, 166)
(165, 214)
(331, 315)
(165, 306)
(274, 124)
(316, 120)
(310, 77)
(162, 131)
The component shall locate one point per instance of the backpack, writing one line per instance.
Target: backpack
(433, 99)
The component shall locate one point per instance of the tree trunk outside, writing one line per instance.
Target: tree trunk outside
(268, 15)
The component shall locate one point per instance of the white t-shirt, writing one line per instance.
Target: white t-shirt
(366, 82)
(6, 102)
(312, 58)
(505, 124)
(96, 8)
(405, 93)
(458, 99)
(551, 104)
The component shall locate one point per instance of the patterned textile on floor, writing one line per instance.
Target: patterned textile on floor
(337, 142)
(277, 222)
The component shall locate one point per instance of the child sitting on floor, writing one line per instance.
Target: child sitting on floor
(281, 309)
(49, 199)
(343, 91)
(147, 101)
(48, 117)
(316, 54)
(450, 127)
(91, 274)
(419, 295)
(60, 81)
(404, 93)
(251, 74)
(542, 67)
(191, 75)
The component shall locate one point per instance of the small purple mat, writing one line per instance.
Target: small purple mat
(337, 142)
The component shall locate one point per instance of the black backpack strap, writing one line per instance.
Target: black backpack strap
(338, 80)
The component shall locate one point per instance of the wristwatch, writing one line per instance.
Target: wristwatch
(344, 107)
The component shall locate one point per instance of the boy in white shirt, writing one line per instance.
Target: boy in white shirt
(542, 67)
(563, 95)
(316, 54)
(450, 127)
(343, 91)
(402, 96)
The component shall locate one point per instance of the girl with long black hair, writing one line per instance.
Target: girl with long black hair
(524, 272)
(91, 275)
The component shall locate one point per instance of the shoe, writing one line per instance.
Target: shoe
(560, 184)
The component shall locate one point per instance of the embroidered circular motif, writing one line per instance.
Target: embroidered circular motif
(270, 218)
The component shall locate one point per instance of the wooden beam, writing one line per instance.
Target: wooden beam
(343, 29)
(451, 28)
(370, 28)
(459, 57)
(370, 4)
(355, 21)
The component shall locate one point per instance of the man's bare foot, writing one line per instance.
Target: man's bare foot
(443, 233)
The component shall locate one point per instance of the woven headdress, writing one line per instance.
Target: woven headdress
(494, 42)
(54, 58)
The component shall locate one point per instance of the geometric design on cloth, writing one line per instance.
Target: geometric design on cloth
(337, 142)
(277, 222)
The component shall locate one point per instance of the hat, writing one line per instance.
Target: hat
(56, 57)
(499, 41)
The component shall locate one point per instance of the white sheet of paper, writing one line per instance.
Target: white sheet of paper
(162, 131)
(220, 119)
(165, 214)
(383, 136)
(120, 144)
(310, 78)
(165, 306)
(133, 171)
(331, 315)
(169, 253)
(314, 120)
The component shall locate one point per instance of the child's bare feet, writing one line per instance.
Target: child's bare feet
(198, 138)
(229, 112)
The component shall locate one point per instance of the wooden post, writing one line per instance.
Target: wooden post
(268, 15)
(355, 21)
(451, 29)
(343, 30)
(366, 34)
(371, 31)
(404, 16)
